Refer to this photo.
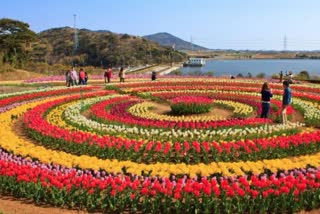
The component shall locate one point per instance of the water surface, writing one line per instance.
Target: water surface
(266, 66)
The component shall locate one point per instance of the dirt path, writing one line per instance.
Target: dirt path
(11, 89)
(10, 205)
(297, 116)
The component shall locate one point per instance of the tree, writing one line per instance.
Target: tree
(101, 49)
(303, 75)
(125, 36)
(210, 73)
(15, 41)
(240, 75)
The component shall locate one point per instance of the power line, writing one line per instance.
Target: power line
(283, 44)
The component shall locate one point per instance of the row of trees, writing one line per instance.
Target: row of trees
(15, 42)
(22, 48)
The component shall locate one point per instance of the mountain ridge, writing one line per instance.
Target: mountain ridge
(100, 48)
(167, 39)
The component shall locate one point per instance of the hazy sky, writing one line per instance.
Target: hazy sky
(234, 24)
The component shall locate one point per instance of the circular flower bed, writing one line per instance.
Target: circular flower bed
(185, 105)
(104, 149)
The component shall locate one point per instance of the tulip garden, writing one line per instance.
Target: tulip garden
(110, 149)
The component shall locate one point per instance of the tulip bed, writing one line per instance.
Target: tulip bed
(185, 105)
(111, 150)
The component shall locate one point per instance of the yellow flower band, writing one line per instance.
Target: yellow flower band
(10, 141)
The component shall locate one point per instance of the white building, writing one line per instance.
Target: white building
(194, 62)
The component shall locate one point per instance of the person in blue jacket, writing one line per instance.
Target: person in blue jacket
(286, 100)
(266, 94)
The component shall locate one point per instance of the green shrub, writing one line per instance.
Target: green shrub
(261, 75)
(210, 73)
(176, 72)
(303, 75)
(189, 108)
(240, 75)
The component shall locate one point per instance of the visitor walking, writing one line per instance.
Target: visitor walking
(68, 78)
(82, 77)
(281, 76)
(122, 74)
(109, 74)
(266, 94)
(290, 77)
(105, 75)
(153, 76)
(286, 100)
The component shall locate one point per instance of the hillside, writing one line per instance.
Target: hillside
(167, 39)
(99, 48)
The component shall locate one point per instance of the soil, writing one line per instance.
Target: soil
(11, 89)
(10, 205)
(87, 113)
(165, 110)
(297, 116)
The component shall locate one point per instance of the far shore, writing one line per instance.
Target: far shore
(245, 55)
(227, 58)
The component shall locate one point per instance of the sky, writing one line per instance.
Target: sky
(216, 24)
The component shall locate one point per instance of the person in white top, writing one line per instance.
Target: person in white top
(290, 77)
(74, 76)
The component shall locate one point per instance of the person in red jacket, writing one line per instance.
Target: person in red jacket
(82, 76)
(109, 74)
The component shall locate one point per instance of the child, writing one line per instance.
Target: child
(286, 100)
(266, 94)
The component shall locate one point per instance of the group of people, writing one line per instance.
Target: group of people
(75, 78)
(81, 78)
(122, 74)
(108, 74)
(266, 94)
(288, 75)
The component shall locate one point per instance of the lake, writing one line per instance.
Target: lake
(256, 66)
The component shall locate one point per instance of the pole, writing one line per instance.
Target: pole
(76, 41)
